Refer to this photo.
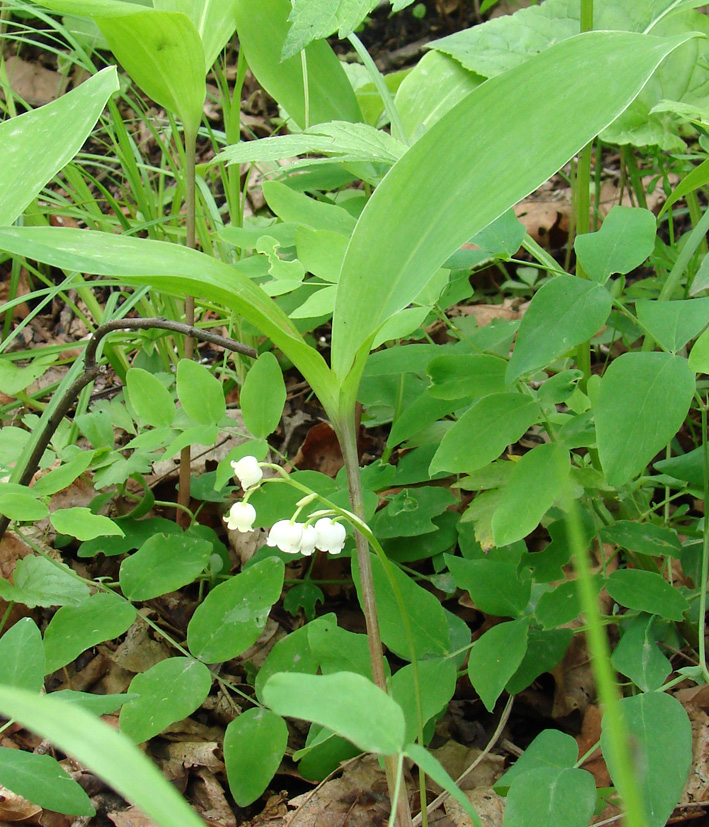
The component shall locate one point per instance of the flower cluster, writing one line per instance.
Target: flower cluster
(289, 536)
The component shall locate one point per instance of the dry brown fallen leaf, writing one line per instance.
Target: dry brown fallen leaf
(486, 802)
(32, 82)
(132, 817)
(14, 808)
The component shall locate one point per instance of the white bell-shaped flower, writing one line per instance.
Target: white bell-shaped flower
(241, 517)
(331, 535)
(286, 536)
(308, 540)
(248, 471)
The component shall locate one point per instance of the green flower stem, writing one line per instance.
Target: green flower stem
(701, 631)
(604, 677)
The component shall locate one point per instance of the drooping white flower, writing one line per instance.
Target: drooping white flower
(331, 535)
(241, 517)
(286, 535)
(308, 540)
(248, 472)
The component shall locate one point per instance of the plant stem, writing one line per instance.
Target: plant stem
(183, 494)
(599, 650)
(701, 631)
(348, 442)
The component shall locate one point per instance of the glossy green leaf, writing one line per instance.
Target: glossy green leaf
(214, 20)
(561, 605)
(484, 431)
(22, 656)
(100, 748)
(673, 323)
(73, 629)
(437, 680)
(563, 313)
(642, 403)
(297, 208)
(427, 620)
(262, 29)
(643, 538)
(637, 655)
(646, 591)
(536, 481)
(317, 19)
(174, 269)
(150, 44)
(150, 399)
(63, 476)
(456, 376)
(546, 795)
(200, 393)
(234, 613)
(545, 649)
(21, 506)
(43, 781)
(699, 355)
(551, 749)
(36, 145)
(321, 251)
(168, 692)
(254, 744)
(495, 657)
(410, 512)
(345, 702)
(493, 585)
(163, 564)
(263, 396)
(453, 182)
(82, 523)
(41, 582)
(625, 240)
(662, 745)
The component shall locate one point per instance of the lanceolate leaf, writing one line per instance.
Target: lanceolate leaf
(174, 269)
(36, 145)
(262, 29)
(215, 21)
(459, 177)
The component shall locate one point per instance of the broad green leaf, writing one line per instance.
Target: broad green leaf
(321, 251)
(662, 746)
(21, 506)
(320, 303)
(41, 582)
(561, 605)
(174, 269)
(254, 744)
(262, 30)
(544, 651)
(495, 657)
(82, 523)
(296, 207)
(536, 481)
(234, 613)
(547, 795)
(484, 431)
(338, 650)
(493, 585)
(453, 182)
(341, 140)
(150, 399)
(163, 564)
(625, 240)
(263, 396)
(200, 393)
(43, 781)
(563, 313)
(456, 376)
(345, 702)
(97, 704)
(63, 476)
(437, 679)
(673, 323)
(410, 512)
(699, 355)
(642, 403)
(168, 692)
(14, 379)
(434, 770)
(22, 656)
(427, 620)
(87, 8)
(638, 656)
(434, 85)
(150, 44)
(551, 749)
(317, 19)
(73, 629)
(646, 591)
(36, 145)
(643, 538)
(100, 748)
(214, 20)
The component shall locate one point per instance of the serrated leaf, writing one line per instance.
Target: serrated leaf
(168, 692)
